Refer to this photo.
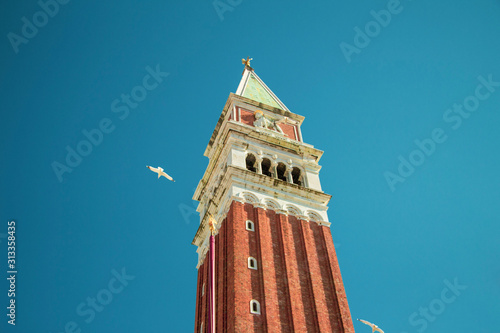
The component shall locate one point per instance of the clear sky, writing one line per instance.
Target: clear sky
(377, 82)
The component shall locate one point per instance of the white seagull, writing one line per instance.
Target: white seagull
(373, 326)
(160, 172)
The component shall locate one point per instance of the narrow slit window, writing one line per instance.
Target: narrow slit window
(252, 263)
(254, 307)
(250, 226)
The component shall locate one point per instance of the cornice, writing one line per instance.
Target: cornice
(235, 176)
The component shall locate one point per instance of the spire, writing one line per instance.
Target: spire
(251, 86)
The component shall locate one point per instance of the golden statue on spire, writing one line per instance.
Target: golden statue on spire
(246, 62)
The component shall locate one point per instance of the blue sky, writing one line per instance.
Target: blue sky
(401, 242)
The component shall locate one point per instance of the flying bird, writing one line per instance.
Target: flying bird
(373, 326)
(160, 172)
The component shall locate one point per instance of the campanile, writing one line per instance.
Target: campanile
(274, 267)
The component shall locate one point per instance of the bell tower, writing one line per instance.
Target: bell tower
(275, 267)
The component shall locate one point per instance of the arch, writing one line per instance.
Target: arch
(250, 161)
(252, 263)
(271, 204)
(266, 167)
(313, 216)
(297, 176)
(294, 210)
(249, 197)
(281, 171)
(254, 307)
(249, 225)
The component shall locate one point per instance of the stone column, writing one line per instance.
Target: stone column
(258, 160)
(274, 172)
(288, 174)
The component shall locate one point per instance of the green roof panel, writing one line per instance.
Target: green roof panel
(254, 90)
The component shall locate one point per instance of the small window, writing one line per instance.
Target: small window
(266, 167)
(203, 290)
(254, 307)
(252, 263)
(201, 328)
(250, 162)
(250, 226)
(281, 169)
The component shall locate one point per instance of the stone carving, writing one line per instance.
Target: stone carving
(265, 122)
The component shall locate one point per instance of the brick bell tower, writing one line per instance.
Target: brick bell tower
(275, 264)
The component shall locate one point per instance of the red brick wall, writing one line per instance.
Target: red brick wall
(247, 117)
(297, 283)
(201, 299)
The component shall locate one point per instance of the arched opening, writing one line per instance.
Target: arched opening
(252, 263)
(250, 162)
(281, 169)
(254, 307)
(297, 176)
(266, 167)
(250, 225)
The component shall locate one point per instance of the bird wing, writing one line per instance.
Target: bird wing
(366, 322)
(152, 169)
(373, 326)
(164, 174)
